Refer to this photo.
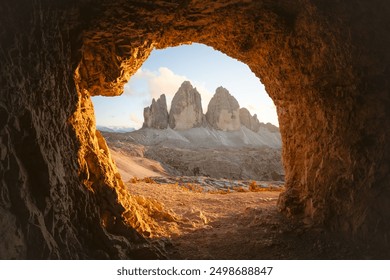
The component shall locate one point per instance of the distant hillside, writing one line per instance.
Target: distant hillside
(119, 129)
(205, 137)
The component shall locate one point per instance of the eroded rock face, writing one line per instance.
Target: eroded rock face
(324, 63)
(186, 108)
(223, 111)
(269, 127)
(156, 115)
(248, 120)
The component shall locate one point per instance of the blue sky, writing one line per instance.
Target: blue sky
(165, 70)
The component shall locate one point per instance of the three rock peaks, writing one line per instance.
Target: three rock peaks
(223, 112)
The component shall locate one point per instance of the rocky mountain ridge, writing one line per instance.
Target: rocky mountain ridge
(186, 108)
(223, 112)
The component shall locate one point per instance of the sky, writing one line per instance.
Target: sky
(166, 69)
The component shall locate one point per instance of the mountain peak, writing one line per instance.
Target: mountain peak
(156, 115)
(223, 111)
(248, 120)
(186, 85)
(222, 91)
(186, 108)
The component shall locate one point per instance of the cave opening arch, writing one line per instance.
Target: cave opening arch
(299, 54)
(324, 64)
(278, 49)
(164, 72)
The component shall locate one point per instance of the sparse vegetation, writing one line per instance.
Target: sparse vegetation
(134, 180)
(219, 191)
(239, 189)
(253, 187)
(193, 187)
(147, 180)
(210, 186)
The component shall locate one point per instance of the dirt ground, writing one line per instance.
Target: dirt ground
(235, 225)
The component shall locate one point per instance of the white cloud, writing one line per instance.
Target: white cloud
(164, 81)
(136, 121)
(265, 112)
(155, 83)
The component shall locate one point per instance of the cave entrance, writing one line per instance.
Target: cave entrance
(164, 73)
(324, 64)
(197, 177)
(314, 67)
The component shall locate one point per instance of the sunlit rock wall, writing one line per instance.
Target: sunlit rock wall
(61, 196)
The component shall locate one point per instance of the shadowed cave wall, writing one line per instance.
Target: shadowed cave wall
(324, 63)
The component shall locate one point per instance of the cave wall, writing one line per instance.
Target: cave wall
(60, 191)
(324, 63)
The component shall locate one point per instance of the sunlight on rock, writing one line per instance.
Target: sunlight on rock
(324, 63)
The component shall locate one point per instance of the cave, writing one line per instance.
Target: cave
(324, 63)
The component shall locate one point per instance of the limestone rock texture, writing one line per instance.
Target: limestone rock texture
(186, 108)
(251, 122)
(324, 63)
(156, 115)
(269, 126)
(223, 111)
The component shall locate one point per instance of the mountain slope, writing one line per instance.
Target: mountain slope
(205, 137)
(203, 151)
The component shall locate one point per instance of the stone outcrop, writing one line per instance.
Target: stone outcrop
(156, 115)
(324, 63)
(223, 111)
(269, 126)
(248, 120)
(186, 109)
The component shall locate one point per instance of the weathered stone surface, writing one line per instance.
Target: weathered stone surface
(248, 120)
(223, 111)
(269, 127)
(156, 115)
(324, 63)
(186, 108)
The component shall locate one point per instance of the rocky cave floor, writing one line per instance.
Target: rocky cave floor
(234, 223)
